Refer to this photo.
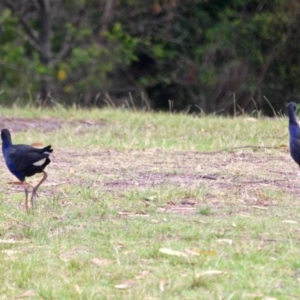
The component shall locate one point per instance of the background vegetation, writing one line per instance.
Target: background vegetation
(220, 56)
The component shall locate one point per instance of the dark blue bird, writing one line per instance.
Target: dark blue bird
(25, 161)
(294, 132)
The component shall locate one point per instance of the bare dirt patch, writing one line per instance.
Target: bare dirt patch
(43, 124)
(235, 181)
(20, 124)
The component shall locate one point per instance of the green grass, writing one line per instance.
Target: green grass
(125, 186)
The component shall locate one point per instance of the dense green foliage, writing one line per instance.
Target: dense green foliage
(208, 54)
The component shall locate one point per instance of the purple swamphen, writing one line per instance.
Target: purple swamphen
(25, 161)
(294, 132)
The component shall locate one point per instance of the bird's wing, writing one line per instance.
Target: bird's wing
(296, 141)
(295, 130)
(23, 156)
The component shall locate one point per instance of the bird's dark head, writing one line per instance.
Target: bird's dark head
(5, 137)
(291, 107)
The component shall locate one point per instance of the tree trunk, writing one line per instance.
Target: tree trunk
(45, 48)
(106, 19)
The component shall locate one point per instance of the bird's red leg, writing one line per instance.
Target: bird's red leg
(25, 185)
(26, 198)
(34, 190)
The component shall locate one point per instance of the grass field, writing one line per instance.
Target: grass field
(152, 206)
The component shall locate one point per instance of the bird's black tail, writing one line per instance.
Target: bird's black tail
(47, 149)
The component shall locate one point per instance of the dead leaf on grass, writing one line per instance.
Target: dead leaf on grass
(172, 252)
(211, 273)
(208, 253)
(29, 293)
(162, 284)
(125, 285)
(150, 198)
(129, 214)
(289, 221)
(228, 241)
(121, 286)
(78, 289)
(72, 171)
(101, 262)
(191, 252)
(11, 254)
(154, 221)
(11, 241)
(200, 252)
(254, 295)
(259, 207)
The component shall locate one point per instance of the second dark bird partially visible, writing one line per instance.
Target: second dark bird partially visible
(25, 161)
(294, 131)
